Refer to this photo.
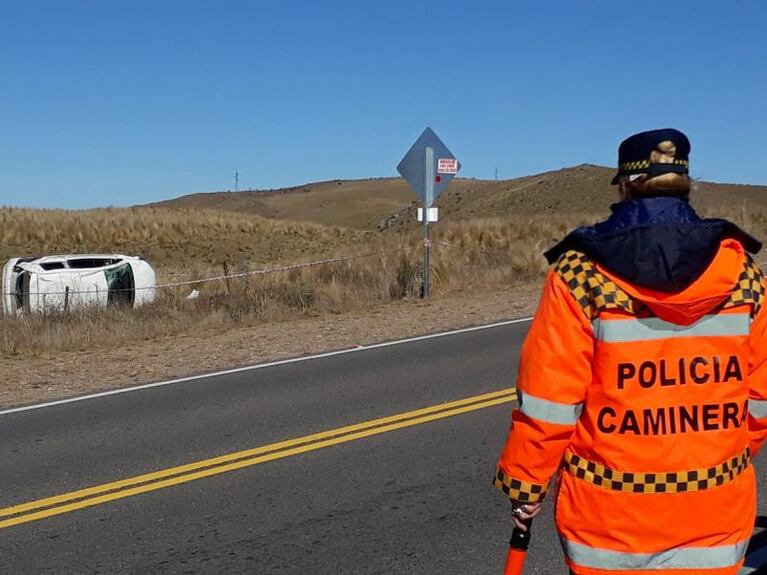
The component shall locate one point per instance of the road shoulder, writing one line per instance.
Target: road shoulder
(28, 381)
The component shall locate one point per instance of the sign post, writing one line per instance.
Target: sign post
(429, 183)
(428, 167)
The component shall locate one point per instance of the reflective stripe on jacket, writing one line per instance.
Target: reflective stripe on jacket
(652, 405)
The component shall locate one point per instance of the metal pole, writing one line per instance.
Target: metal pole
(429, 175)
(425, 255)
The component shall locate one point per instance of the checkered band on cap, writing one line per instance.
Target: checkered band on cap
(592, 290)
(657, 482)
(519, 490)
(639, 165)
(749, 289)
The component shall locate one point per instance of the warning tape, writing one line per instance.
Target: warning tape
(205, 280)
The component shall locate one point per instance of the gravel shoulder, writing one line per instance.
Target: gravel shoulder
(27, 381)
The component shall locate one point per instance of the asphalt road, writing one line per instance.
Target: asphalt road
(411, 500)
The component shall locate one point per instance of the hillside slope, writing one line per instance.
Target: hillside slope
(388, 202)
(350, 203)
(171, 238)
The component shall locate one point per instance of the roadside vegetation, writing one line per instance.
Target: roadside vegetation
(171, 239)
(468, 256)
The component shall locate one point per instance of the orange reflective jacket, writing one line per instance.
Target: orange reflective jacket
(651, 405)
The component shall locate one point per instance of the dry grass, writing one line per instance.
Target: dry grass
(170, 239)
(467, 256)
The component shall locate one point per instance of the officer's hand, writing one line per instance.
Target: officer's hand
(522, 512)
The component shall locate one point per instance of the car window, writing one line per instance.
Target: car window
(83, 263)
(52, 266)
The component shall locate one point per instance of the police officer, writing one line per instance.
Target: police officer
(643, 381)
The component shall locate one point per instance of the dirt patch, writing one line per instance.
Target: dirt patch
(70, 374)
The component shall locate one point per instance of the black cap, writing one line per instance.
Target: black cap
(654, 153)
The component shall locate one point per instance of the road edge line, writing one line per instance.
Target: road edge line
(254, 367)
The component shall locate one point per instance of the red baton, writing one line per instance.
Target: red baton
(515, 559)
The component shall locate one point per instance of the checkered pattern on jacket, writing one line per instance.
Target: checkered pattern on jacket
(594, 292)
(661, 482)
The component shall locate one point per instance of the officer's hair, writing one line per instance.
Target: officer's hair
(670, 184)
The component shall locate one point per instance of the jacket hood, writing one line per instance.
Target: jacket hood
(701, 297)
(663, 254)
(657, 243)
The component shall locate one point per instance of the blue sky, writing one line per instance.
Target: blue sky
(116, 103)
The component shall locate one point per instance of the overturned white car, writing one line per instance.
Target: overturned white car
(58, 283)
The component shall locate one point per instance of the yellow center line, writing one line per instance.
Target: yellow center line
(42, 508)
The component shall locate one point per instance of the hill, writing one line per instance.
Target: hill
(384, 203)
(307, 221)
(350, 203)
